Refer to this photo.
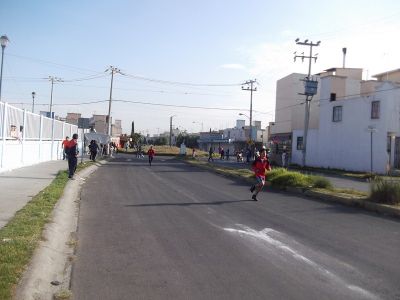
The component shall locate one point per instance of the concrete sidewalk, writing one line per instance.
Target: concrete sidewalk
(20, 185)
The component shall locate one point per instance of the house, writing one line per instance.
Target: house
(359, 125)
(289, 114)
(234, 139)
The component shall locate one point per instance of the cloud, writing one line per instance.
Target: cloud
(233, 66)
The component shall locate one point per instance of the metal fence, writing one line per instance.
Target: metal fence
(20, 124)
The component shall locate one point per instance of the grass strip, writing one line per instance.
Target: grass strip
(281, 178)
(20, 237)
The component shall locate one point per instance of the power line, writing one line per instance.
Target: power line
(180, 106)
(154, 91)
(51, 63)
(179, 82)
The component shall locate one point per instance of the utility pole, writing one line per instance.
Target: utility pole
(52, 79)
(310, 87)
(33, 102)
(170, 130)
(113, 70)
(250, 87)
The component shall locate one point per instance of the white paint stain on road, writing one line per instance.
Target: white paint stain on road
(268, 235)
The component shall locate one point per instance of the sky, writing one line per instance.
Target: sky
(185, 58)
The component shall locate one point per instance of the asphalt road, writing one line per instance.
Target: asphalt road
(172, 231)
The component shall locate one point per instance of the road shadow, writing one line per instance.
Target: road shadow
(188, 203)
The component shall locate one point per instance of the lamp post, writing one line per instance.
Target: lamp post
(372, 129)
(33, 102)
(4, 41)
(52, 79)
(170, 130)
(250, 87)
(241, 114)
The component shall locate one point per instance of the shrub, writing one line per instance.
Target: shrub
(294, 179)
(275, 172)
(281, 177)
(321, 182)
(385, 191)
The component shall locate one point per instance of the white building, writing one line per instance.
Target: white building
(359, 126)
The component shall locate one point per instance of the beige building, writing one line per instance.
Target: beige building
(116, 128)
(290, 108)
(72, 118)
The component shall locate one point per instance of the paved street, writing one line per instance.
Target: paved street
(173, 231)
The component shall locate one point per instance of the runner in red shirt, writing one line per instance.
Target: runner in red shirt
(260, 166)
(151, 154)
(64, 145)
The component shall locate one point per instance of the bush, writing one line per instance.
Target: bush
(321, 182)
(385, 191)
(281, 178)
(275, 172)
(295, 179)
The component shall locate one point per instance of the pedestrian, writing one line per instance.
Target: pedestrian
(284, 159)
(151, 154)
(210, 154)
(248, 155)
(227, 154)
(64, 142)
(193, 153)
(72, 155)
(222, 153)
(93, 147)
(126, 146)
(260, 166)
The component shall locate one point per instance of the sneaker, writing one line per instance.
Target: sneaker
(254, 197)
(252, 189)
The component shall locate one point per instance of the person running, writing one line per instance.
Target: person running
(63, 145)
(151, 154)
(260, 166)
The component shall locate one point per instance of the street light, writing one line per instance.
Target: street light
(372, 129)
(4, 41)
(250, 136)
(33, 102)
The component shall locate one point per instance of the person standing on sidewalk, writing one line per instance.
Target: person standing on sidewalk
(210, 154)
(72, 155)
(260, 166)
(93, 147)
(151, 154)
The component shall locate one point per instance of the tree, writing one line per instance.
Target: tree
(189, 140)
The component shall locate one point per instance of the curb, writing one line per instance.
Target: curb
(354, 201)
(49, 270)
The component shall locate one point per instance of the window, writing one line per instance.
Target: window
(333, 97)
(375, 109)
(337, 114)
(299, 143)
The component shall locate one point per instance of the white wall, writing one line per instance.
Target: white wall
(39, 141)
(347, 144)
